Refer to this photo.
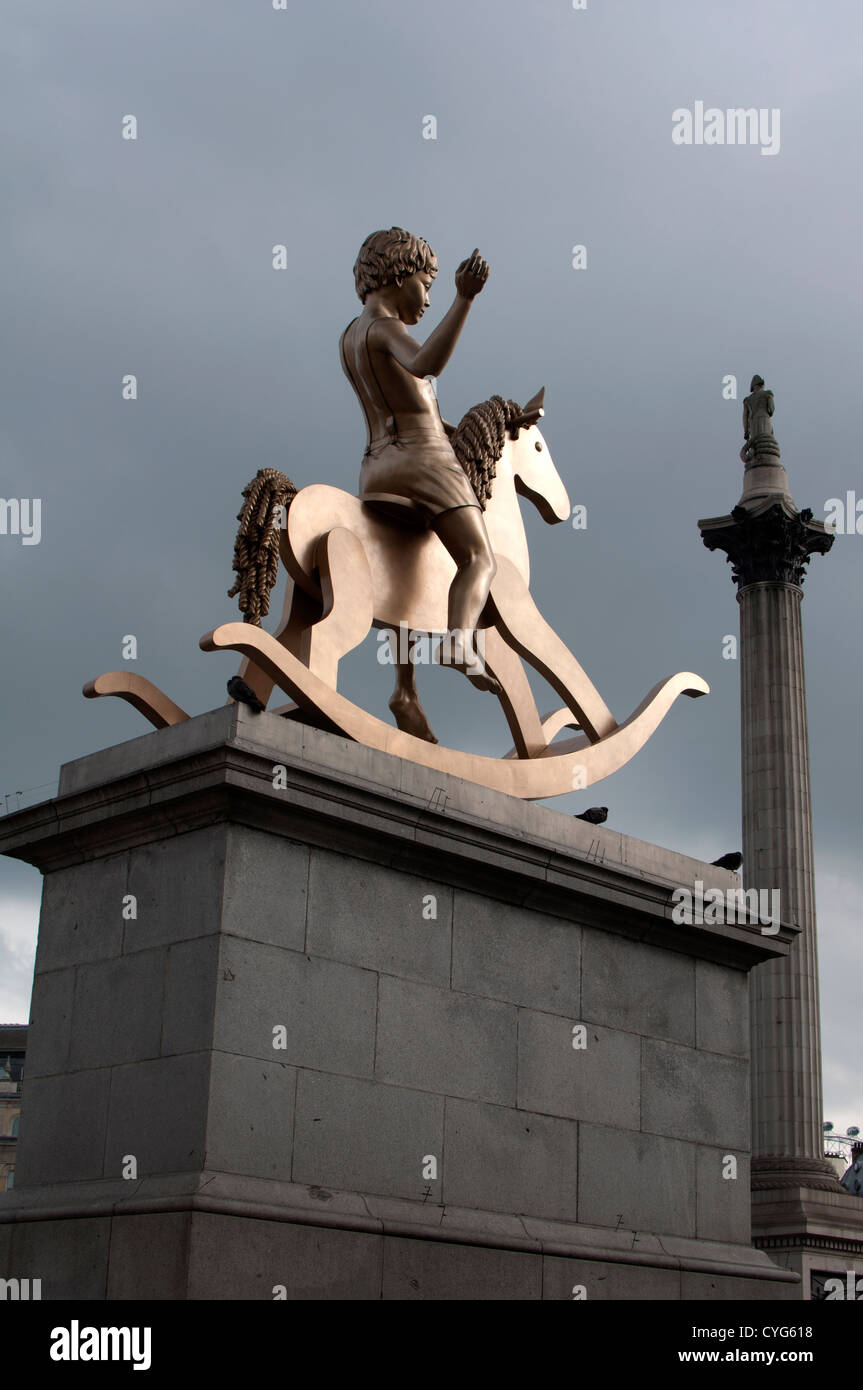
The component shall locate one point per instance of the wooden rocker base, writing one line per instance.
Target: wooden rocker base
(562, 768)
(146, 697)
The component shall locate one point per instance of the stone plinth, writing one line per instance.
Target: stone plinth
(325, 1036)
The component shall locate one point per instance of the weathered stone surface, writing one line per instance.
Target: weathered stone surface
(81, 917)
(49, 1033)
(328, 1009)
(62, 1128)
(510, 1161)
(429, 1269)
(150, 1256)
(70, 1257)
(641, 1181)
(153, 750)
(690, 1094)
(212, 1255)
(595, 1281)
(367, 914)
(723, 1202)
(501, 951)
(439, 1040)
(158, 1115)
(242, 1260)
(364, 1137)
(721, 1009)
(178, 886)
(638, 988)
(712, 1288)
(250, 1117)
(265, 888)
(589, 1083)
(117, 1011)
(189, 1002)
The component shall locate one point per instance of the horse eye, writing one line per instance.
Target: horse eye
(538, 447)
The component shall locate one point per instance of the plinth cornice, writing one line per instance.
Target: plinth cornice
(219, 768)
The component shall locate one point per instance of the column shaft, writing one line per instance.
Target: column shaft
(777, 854)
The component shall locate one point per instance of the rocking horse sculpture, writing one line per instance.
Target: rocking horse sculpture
(435, 544)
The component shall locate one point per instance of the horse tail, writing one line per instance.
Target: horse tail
(256, 549)
(479, 440)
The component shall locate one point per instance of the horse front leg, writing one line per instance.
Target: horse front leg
(524, 628)
(516, 696)
(405, 701)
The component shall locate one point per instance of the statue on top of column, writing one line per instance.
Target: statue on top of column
(758, 409)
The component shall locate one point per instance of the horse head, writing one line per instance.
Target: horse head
(534, 473)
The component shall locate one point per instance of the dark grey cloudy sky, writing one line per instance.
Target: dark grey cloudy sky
(304, 127)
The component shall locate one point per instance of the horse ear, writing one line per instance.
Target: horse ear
(532, 412)
(536, 403)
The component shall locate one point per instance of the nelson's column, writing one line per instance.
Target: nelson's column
(801, 1214)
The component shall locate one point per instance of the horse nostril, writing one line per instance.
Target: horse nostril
(538, 447)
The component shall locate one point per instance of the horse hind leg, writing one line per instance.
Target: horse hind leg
(299, 611)
(348, 608)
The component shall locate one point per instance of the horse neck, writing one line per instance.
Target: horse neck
(503, 519)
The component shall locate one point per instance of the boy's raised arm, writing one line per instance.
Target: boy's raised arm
(431, 358)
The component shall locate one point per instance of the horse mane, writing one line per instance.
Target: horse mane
(256, 549)
(479, 439)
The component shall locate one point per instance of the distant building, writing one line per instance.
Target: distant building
(13, 1046)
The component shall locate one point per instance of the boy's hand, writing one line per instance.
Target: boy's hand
(471, 275)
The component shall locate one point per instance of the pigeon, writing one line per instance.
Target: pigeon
(728, 861)
(594, 815)
(244, 694)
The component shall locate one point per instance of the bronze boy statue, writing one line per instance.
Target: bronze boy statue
(409, 469)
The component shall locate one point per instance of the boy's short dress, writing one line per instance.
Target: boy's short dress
(415, 472)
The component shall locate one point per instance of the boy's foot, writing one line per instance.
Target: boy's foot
(410, 717)
(456, 650)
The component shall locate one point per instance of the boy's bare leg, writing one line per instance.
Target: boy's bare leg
(462, 531)
(405, 702)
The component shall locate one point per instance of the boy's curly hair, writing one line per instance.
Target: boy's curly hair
(386, 257)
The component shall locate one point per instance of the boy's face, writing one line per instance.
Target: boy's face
(413, 297)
